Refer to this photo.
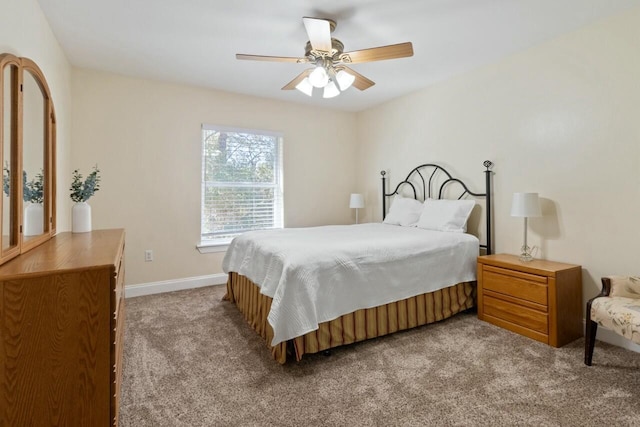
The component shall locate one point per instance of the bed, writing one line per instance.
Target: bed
(312, 289)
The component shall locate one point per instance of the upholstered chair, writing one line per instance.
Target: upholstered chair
(617, 308)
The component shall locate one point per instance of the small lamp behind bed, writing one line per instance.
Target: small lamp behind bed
(356, 202)
(525, 205)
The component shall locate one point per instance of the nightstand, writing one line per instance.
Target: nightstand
(538, 299)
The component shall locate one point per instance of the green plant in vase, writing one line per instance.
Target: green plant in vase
(81, 191)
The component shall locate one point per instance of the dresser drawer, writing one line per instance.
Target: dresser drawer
(525, 286)
(523, 316)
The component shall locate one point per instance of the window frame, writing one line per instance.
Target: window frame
(207, 245)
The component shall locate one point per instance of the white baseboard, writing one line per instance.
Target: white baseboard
(174, 285)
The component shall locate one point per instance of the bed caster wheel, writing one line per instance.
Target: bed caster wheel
(326, 353)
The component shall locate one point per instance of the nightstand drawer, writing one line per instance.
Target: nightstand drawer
(516, 284)
(523, 316)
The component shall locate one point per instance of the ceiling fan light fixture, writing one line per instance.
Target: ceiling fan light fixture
(305, 86)
(329, 60)
(331, 90)
(345, 79)
(319, 77)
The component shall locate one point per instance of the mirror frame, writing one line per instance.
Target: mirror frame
(49, 146)
(14, 85)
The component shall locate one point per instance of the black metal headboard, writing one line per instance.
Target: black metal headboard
(428, 190)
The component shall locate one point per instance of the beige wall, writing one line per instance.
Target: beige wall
(24, 31)
(561, 119)
(145, 137)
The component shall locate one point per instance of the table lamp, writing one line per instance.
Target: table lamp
(526, 205)
(356, 202)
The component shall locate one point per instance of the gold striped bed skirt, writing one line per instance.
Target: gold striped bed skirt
(357, 326)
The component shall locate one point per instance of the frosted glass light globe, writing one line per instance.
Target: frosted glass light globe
(330, 90)
(319, 77)
(345, 80)
(305, 87)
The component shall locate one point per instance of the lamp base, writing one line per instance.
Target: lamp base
(525, 254)
(526, 257)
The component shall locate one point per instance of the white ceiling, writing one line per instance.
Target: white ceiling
(195, 41)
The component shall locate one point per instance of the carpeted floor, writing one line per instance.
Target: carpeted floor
(191, 360)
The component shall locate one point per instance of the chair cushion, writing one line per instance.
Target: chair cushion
(621, 315)
(625, 286)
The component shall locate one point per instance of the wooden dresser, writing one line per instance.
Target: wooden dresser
(61, 332)
(538, 299)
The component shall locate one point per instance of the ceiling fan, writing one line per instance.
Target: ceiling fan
(330, 61)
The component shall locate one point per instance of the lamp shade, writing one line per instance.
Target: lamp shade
(525, 205)
(356, 201)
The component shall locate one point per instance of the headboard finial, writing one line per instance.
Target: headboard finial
(487, 164)
(383, 173)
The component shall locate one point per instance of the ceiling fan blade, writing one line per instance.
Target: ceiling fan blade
(293, 83)
(401, 50)
(319, 32)
(271, 58)
(361, 82)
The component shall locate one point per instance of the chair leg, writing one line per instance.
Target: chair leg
(589, 340)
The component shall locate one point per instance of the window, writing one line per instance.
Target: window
(241, 182)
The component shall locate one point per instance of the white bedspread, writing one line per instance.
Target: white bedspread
(317, 274)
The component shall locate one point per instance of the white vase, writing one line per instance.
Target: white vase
(81, 217)
(33, 219)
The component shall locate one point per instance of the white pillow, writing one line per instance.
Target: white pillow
(446, 215)
(404, 212)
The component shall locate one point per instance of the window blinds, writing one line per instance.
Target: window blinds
(241, 182)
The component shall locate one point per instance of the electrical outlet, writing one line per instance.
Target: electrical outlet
(148, 255)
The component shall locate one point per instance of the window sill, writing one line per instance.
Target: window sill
(213, 247)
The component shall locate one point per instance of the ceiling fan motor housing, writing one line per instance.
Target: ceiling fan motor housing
(336, 50)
